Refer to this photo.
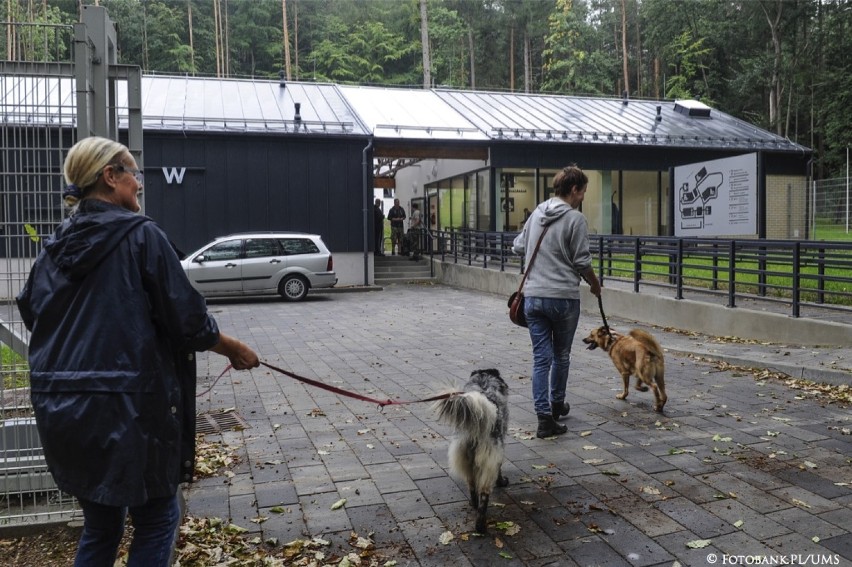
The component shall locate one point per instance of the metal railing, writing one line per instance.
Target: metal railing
(793, 274)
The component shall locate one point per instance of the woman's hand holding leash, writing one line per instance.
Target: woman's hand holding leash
(592, 279)
(241, 356)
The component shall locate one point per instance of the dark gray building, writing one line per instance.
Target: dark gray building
(224, 155)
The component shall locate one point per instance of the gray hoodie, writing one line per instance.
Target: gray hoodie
(564, 252)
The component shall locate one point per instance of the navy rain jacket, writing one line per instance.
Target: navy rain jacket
(114, 325)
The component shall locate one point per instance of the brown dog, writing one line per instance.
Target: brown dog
(638, 354)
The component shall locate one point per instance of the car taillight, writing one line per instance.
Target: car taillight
(330, 266)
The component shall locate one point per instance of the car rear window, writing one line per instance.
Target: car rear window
(261, 247)
(298, 246)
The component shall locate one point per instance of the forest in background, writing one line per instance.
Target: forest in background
(783, 65)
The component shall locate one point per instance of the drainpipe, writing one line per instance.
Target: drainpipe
(368, 194)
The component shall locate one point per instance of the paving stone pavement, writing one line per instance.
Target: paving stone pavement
(751, 465)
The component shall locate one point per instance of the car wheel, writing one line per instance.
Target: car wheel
(293, 288)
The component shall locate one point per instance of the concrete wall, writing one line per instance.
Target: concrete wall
(707, 318)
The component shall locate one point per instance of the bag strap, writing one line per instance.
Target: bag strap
(532, 259)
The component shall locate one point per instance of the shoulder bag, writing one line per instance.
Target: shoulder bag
(516, 300)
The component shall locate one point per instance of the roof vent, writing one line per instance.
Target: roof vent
(624, 98)
(659, 113)
(692, 108)
(298, 116)
(281, 82)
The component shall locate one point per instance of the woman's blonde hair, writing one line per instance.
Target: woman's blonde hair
(84, 163)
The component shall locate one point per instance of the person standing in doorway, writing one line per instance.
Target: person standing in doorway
(115, 325)
(396, 216)
(379, 227)
(416, 232)
(552, 292)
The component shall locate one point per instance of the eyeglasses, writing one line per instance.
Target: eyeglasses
(136, 173)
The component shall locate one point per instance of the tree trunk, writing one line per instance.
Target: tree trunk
(775, 78)
(286, 39)
(527, 63)
(145, 63)
(657, 78)
(472, 59)
(191, 43)
(10, 33)
(217, 38)
(226, 50)
(512, 59)
(639, 73)
(296, 35)
(424, 39)
(624, 46)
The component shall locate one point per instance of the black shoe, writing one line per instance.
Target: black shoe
(559, 409)
(548, 427)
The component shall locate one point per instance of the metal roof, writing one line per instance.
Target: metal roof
(610, 121)
(410, 116)
(193, 103)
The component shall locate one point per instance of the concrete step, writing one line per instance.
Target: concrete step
(400, 269)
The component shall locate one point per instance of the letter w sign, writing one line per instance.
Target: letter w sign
(174, 175)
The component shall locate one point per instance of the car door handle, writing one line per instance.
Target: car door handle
(230, 265)
(275, 261)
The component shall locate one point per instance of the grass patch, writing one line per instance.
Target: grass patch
(14, 369)
(829, 285)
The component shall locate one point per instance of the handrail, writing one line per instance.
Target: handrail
(793, 273)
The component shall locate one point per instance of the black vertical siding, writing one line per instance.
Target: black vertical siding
(235, 183)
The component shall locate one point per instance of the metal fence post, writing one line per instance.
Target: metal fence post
(797, 252)
(679, 270)
(732, 254)
(637, 264)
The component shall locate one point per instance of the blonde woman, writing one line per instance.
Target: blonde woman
(114, 323)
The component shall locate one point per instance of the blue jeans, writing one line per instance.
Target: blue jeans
(552, 323)
(154, 527)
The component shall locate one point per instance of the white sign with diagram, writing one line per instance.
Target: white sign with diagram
(716, 198)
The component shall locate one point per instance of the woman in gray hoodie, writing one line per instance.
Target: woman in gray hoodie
(552, 291)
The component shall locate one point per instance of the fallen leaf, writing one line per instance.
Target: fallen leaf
(698, 543)
(233, 528)
(585, 433)
(446, 537)
(339, 504)
(738, 524)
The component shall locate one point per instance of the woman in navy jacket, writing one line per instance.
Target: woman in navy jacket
(114, 325)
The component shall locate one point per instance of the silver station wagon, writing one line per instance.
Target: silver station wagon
(286, 263)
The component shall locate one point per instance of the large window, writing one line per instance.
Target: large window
(517, 193)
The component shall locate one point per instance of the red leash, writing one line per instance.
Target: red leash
(340, 391)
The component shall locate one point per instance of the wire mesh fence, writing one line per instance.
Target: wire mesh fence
(831, 211)
(35, 134)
